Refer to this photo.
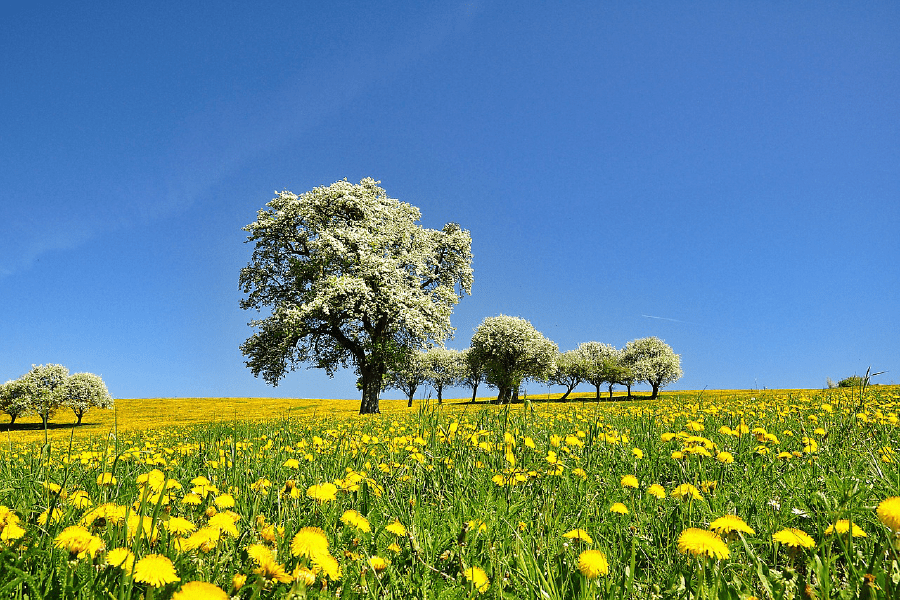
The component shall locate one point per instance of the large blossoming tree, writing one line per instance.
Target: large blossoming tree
(652, 360)
(351, 279)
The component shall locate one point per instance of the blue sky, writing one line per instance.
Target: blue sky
(723, 175)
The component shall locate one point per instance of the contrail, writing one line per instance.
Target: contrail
(667, 319)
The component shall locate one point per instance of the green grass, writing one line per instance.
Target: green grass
(439, 472)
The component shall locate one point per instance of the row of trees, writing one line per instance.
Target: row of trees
(506, 351)
(46, 388)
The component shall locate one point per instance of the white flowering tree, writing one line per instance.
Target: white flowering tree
(351, 279)
(471, 370)
(567, 372)
(14, 399)
(652, 360)
(597, 363)
(511, 350)
(442, 369)
(408, 375)
(83, 391)
(43, 387)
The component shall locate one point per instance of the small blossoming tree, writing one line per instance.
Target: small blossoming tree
(83, 391)
(408, 375)
(351, 279)
(14, 400)
(442, 369)
(566, 372)
(44, 386)
(511, 350)
(652, 360)
(597, 363)
(471, 370)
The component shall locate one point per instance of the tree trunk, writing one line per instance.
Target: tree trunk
(502, 395)
(440, 389)
(79, 415)
(474, 391)
(655, 391)
(566, 395)
(628, 385)
(598, 391)
(610, 391)
(12, 419)
(515, 396)
(371, 383)
(408, 404)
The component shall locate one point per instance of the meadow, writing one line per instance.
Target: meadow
(765, 494)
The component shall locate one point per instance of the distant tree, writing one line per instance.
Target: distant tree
(442, 369)
(14, 399)
(653, 361)
(597, 363)
(44, 385)
(83, 391)
(567, 371)
(471, 370)
(511, 350)
(852, 381)
(351, 280)
(620, 374)
(408, 374)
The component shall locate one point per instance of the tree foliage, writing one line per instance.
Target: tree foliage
(442, 369)
(511, 350)
(598, 364)
(14, 399)
(83, 391)
(44, 388)
(407, 375)
(567, 371)
(351, 279)
(653, 361)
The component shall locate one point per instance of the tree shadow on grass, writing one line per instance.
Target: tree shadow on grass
(4, 427)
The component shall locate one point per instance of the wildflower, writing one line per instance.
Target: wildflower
(9, 525)
(179, 526)
(477, 524)
(726, 458)
(687, 491)
(637, 453)
(78, 541)
(579, 472)
(238, 581)
(309, 542)
(619, 508)
(106, 479)
(842, 526)
(291, 463)
(730, 523)
(394, 547)
(677, 455)
(889, 513)
(304, 575)
(267, 565)
(224, 501)
(47, 516)
(701, 542)
(224, 522)
(593, 564)
(155, 570)
(578, 534)
(79, 499)
(328, 564)
(657, 491)
(795, 538)
(378, 564)
(396, 528)
(121, 558)
(477, 577)
(200, 590)
(322, 492)
(354, 519)
(629, 481)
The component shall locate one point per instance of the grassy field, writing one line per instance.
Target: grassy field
(726, 494)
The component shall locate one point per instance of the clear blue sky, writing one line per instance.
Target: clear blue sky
(723, 175)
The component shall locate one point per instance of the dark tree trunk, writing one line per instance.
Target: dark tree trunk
(610, 391)
(12, 419)
(628, 385)
(371, 383)
(474, 391)
(598, 391)
(566, 395)
(79, 415)
(655, 390)
(502, 395)
(412, 392)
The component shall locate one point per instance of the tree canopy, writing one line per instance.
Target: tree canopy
(652, 360)
(351, 279)
(511, 350)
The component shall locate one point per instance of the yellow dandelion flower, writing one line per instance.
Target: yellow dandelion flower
(578, 534)
(842, 526)
(477, 577)
(106, 480)
(155, 570)
(224, 501)
(192, 499)
(78, 541)
(322, 492)
(701, 542)
(224, 523)
(888, 512)
(52, 518)
(687, 491)
(378, 563)
(354, 519)
(327, 564)
(79, 499)
(728, 523)
(637, 453)
(657, 491)
(629, 481)
(238, 581)
(121, 558)
(304, 576)
(619, 508)
(200, 590)
(396, 528)
(795, 538)
(179, 526)
(308, 542)
(592, 564)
